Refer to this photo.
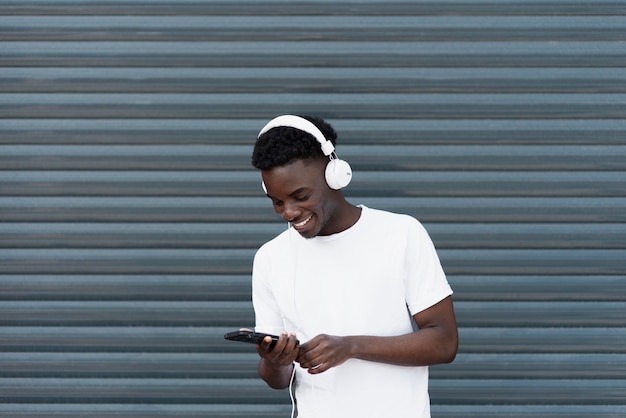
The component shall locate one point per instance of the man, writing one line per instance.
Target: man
(357, 295)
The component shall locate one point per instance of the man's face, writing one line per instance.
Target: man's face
(301, 196)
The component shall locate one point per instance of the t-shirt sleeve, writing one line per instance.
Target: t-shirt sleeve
(425, 281)
(267, 314)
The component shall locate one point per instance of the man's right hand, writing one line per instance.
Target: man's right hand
(282, 353)
(277, 360)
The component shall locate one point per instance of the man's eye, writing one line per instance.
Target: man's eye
(302, 198)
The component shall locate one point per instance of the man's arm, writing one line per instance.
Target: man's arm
(436, 341)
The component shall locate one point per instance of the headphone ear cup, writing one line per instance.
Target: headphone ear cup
(338, 174)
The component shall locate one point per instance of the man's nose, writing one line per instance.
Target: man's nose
(290, 212)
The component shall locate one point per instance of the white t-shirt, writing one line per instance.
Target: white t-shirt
(367, 280)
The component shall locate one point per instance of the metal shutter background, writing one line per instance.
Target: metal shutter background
(129, 213)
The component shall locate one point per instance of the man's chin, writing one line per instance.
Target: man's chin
(307, 234)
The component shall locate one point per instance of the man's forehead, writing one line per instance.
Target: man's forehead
(293, 176)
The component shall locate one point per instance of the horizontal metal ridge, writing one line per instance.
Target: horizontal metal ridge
(313, 54)
(146, 410)
(127, 313)
(532, 366)
(166, 158)
(545, 339)
(251, 235)
(159, 410)
(313, 28)
(365, 184)
(149, 390)
(244, 365)
(407, 131)
(538, 288)
(527, 411)
(198, 339)
(67, 208)
(310, 48)
(308, 80)
(239, 261)
(127, 287)
(527, 391)
(459, 391)
(318, 7)
(157, 287)
(240, 314)
(249, 105)
(131, 365)
(318, 24)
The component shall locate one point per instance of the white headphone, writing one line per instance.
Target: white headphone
(338, 172)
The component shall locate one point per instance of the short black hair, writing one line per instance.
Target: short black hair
(283, 145)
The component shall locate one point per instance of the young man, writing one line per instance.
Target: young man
(357, 295)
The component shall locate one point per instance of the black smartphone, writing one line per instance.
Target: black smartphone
(249, 337)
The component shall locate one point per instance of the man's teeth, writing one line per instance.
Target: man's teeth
(301, 224)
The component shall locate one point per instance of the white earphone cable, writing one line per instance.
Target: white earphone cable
(291, 392)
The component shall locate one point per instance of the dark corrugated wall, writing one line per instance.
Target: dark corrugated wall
(129, 213)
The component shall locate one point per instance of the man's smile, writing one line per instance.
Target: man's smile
(303, 223)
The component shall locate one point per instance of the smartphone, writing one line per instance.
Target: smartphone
(249, 337)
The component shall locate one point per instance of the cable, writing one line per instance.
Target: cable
(291, 392)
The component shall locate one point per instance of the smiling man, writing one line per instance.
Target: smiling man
(357, 295)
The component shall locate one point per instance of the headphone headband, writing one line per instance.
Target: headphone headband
(297, 122)
(338, 172)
